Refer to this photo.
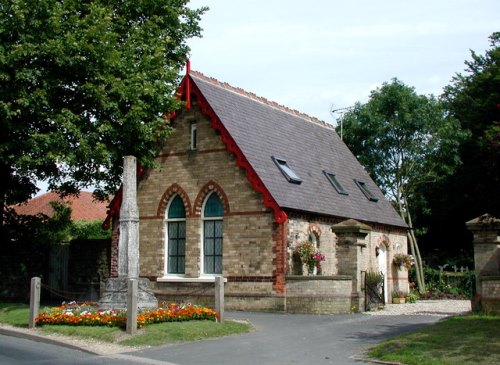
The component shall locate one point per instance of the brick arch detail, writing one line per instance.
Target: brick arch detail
(207, 189)
(168, 194)
(383, 240)
(313, 227)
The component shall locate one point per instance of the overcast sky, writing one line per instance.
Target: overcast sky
(312, 55)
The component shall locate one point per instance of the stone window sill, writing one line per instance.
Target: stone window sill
(177, 279)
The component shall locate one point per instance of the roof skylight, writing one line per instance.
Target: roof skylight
(335, 183)
(362, 186)
(286, 170)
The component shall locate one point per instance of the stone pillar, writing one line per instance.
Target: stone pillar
(36, 287)
(128, 244)
(351, 255)
(116, 289)
(486, 239)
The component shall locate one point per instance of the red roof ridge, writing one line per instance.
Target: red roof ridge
(261, 99)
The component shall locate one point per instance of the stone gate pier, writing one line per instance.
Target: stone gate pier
(486, 232)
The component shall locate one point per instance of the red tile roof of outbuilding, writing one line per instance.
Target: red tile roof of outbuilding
(83, 207)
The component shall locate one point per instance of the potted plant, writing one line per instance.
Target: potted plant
(403, 261)
(398, 297)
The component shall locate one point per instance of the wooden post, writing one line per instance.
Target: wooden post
(132, 307)
(34, 301)
(219, 297)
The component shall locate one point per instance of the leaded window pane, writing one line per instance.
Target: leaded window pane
(218, 246)
(209, 264)
(176, 208)
(209, 229)
(218, 229)
(213, 206)
(213, 248)
(176, 247)
(209, 246)
(218, 265)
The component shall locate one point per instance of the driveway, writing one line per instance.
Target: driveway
(277, 339)
(291, 339)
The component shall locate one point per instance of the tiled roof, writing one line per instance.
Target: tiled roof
(263, 129)
(83, 207)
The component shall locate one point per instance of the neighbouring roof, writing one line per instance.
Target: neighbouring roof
(83, 207)
(263, 129)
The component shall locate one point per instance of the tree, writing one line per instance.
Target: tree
(405, 141)
(83, 83)
(473, 98)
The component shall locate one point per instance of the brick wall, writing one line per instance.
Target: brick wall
(256, 250)
(250, 255)
(393, 239)
(319, 294)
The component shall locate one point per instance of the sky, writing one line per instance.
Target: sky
(319, 55)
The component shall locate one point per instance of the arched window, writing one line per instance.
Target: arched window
(176, 236)
(212, 234)
(313, 238)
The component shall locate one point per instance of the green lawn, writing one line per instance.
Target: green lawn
(472, 339)
(152, 335)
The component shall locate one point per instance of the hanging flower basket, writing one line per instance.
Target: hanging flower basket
(403, 261)
(309, 256)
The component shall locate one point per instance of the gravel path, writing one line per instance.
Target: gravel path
(440, 308)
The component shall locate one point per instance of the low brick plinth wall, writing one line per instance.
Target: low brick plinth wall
(319, 294)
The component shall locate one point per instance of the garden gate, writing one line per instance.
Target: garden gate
(374, 290)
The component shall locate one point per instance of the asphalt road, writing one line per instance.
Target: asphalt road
(277, 339)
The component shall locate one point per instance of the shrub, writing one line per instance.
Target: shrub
(446, 285)
(411, 298)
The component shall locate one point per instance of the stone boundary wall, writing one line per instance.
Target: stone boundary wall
(490, 295)
(319, 294)
(304, 294)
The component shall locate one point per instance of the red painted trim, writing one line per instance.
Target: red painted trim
(241, 161)
(188, 84)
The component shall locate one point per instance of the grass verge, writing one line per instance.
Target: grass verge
(472, 339)
(16, 314)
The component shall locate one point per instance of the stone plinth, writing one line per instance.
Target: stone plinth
(115, 294)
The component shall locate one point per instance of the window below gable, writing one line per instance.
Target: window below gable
(335, 183)
(286, 170)
(193, 136)
(362, 186)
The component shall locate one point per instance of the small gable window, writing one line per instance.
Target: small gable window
(335, 183)
(286, 170)
(194, 135)
(362, 186)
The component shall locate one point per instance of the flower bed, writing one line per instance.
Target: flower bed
(89, 314)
